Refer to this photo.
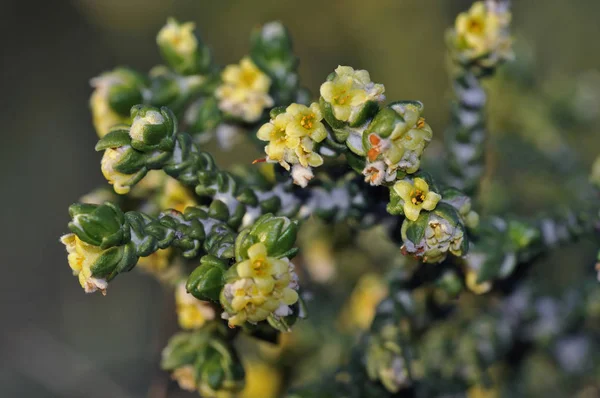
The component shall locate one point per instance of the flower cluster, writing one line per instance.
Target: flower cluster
(292, 135)
(481, 35)
(395, 141)
(347, 93)
(259, 287)
(244, 93)
(191, 312)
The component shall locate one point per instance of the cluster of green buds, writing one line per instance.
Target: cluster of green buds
(480, 38)
(204, 361)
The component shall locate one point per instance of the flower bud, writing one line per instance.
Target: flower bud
(462, 203)
(114, 94)
(394, 141)
(99, 225)
(434, 234)
(172, 90)
(182, 49)
(152, 128)
(271, 49)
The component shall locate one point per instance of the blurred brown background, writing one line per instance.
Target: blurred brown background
(56, 341)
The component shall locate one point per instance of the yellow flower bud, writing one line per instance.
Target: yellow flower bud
(121, 182)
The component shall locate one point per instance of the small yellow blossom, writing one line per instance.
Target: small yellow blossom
(348, 91)
(245, 91)
(482, 31)
(178, 37)
(82, 256)
(262, 380)
(191, 312)
(416, 197)
(263, 286)
(121, 182)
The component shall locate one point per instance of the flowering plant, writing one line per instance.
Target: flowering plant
(226, 241)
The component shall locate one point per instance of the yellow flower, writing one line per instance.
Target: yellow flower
(191, 312)
(178, 37)
(82, 256)
(416, 197)
(480, 31)
(348, 91)
(121, 182)
(292, 136)
(263, 286)
(367, 294)
(103, 116)
(245, 91)
(262, 380)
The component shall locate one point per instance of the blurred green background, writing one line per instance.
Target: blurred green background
(56, 341)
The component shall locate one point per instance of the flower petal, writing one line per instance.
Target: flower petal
(257, 251)
(431, 200)
(421, 185)
(403, 189)
(265, 131)
(411, 211)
